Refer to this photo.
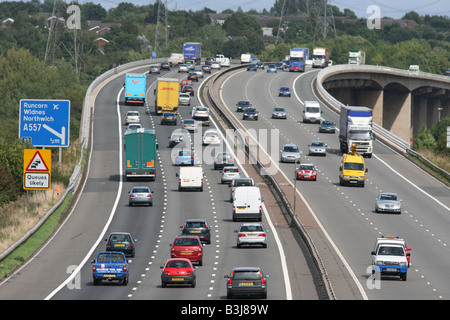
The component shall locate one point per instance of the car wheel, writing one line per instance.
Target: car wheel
(163, 284)
(193, 284)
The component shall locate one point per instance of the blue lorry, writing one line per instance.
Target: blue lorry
(192, 51)
(135, 89)
(110, 266)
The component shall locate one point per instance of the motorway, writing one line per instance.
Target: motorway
(346, 213)
(63, 264)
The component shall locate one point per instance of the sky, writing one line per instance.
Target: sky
(391, 8)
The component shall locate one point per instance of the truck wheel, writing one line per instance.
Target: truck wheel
(125, 281)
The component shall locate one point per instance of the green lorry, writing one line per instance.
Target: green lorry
(140, 154)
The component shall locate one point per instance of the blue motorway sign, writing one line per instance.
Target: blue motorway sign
(45, 123)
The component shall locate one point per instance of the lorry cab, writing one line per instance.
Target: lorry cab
(352, 170)
(311, 112)
(190, 178)
(247, 203)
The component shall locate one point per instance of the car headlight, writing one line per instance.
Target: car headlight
(403, 263)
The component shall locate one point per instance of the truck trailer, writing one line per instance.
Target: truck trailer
(167, 95)
(140, 154)
(135, 88)
(192, 51)
(355, 127)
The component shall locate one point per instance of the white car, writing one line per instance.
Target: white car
(133, 126)
(184, 99)
(199, 72)
(200, 113)
(183, 68)
(211, 136)
(215, 65)
(132, 117)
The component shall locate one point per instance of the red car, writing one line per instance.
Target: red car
(178, 271)
(306, 172)
(188, 247)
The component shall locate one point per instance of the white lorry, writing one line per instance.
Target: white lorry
(246, 58)
(321, 57)
(190, 178)
(176, 59)
(247, 203)
(390, 256)
(357, 57)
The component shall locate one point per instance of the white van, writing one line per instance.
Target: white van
(311, 112)
(190, 178)
(247, 203)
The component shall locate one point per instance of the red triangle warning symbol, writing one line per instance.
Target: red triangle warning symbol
(37, 163)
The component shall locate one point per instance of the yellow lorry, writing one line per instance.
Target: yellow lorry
(353, 169)
(166, 95)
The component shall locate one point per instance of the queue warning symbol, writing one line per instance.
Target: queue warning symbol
(37, 163)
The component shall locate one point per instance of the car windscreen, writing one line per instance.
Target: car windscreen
(246, 275)
(353, 166)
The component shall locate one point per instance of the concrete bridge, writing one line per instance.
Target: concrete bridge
(402, 102)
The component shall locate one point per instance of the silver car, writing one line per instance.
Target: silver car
(251, 234)
(317, 148)
(200, 113)
(290, 153)
(388, 202)
(140, 195)
(199, 72)
(184, 99)
(132, 117)
(229, 173)
(183, 68)
(279, 113)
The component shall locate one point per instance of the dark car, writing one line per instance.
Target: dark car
(260, 65)
(209, 60)
(164, 65)
(178, 271)
(197, 227)
(327, 126)
(247, 281)
(169, 118)
(250, 113)
(284, 92)
(188, 89)
(242, 104)
(121, 241)
(176, 138)
(206, 68)
(193, 76)
(252, 67)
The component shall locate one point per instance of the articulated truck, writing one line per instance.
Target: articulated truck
(356, 57)
(140, 154)
(321, 57)
(297, 59)
(355, 127)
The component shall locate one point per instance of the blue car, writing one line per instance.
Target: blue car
(184, 157)
(284, 92)
(272, 68)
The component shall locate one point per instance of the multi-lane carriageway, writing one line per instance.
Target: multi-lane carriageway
(346, 214)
